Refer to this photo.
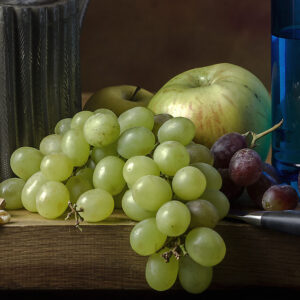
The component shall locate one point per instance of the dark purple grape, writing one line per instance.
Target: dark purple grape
(245, 167)
(257, 189)
(229, 188)
(224, 148)
(280, 197)
(269, 169)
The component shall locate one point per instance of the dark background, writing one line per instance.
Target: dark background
(147, 42)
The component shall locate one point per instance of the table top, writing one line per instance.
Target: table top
(52, 254)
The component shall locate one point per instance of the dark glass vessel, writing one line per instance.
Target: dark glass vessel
(286, 88)
(39, 70)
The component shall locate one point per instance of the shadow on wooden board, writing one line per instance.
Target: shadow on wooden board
(246, 293)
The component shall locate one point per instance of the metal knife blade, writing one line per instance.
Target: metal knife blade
(287, 221)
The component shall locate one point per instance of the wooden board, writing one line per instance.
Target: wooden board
(45, 254)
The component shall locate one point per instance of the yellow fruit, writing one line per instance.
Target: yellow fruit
(118, 98)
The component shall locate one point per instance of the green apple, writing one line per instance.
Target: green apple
(118, 98)
(219, 99)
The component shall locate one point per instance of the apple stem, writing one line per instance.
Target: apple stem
(134, 93)
(252, 137)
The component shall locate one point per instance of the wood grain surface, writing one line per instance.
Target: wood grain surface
(44, 254)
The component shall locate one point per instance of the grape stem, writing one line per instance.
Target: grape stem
(176, 248)
(2, 203)
(166, 177)
(251, 137)
(75, 211)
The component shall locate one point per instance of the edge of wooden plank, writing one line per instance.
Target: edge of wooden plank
(23, 218)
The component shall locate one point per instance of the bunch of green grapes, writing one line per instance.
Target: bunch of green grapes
(145, 164)
(61, 171)
(174, 195)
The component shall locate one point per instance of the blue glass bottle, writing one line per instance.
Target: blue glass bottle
(286, 88)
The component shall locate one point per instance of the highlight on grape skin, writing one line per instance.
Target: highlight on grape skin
(101, 130)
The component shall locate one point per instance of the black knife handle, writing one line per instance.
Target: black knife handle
(286, 221)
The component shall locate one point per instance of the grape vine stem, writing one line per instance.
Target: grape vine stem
(176, 248)
(252, 137)
(76, 212)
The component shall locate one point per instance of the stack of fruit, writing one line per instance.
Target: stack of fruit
(243, 171)
(146, 164)
(154, 167)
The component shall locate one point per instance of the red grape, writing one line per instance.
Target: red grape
(257, 189)
(245, 167)
(224, 148)
(229, 188)
(270, 170)
(280, 197)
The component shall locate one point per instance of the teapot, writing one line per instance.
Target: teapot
(39, 70)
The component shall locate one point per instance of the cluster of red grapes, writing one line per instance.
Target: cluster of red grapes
(242, 170)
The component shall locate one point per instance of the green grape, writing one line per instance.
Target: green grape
(11, 190)
(199, 153)
(205, 246)
(99, 153)
(108, 175)
(133, 210)
(63, 126)
(160, 119)
(105, 111)
(52, 199)
(25, 161)
(57, 167)
(219, 200)
(136, 141)
(101, 130)
(137, 167)
(97, 205)
(173, 218)
(75, 146)
(189, 183)
(77, 185)
(213, 177)
(136, 117)
(203, 214)
(91, 164)
(118, 198)
(193, 277)
(79, 119)
(161, 275)
(170, 157)
(86, 173)
(177, 129)
(51, 144)
(30, 189)
(151, 192)
(145, 238)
